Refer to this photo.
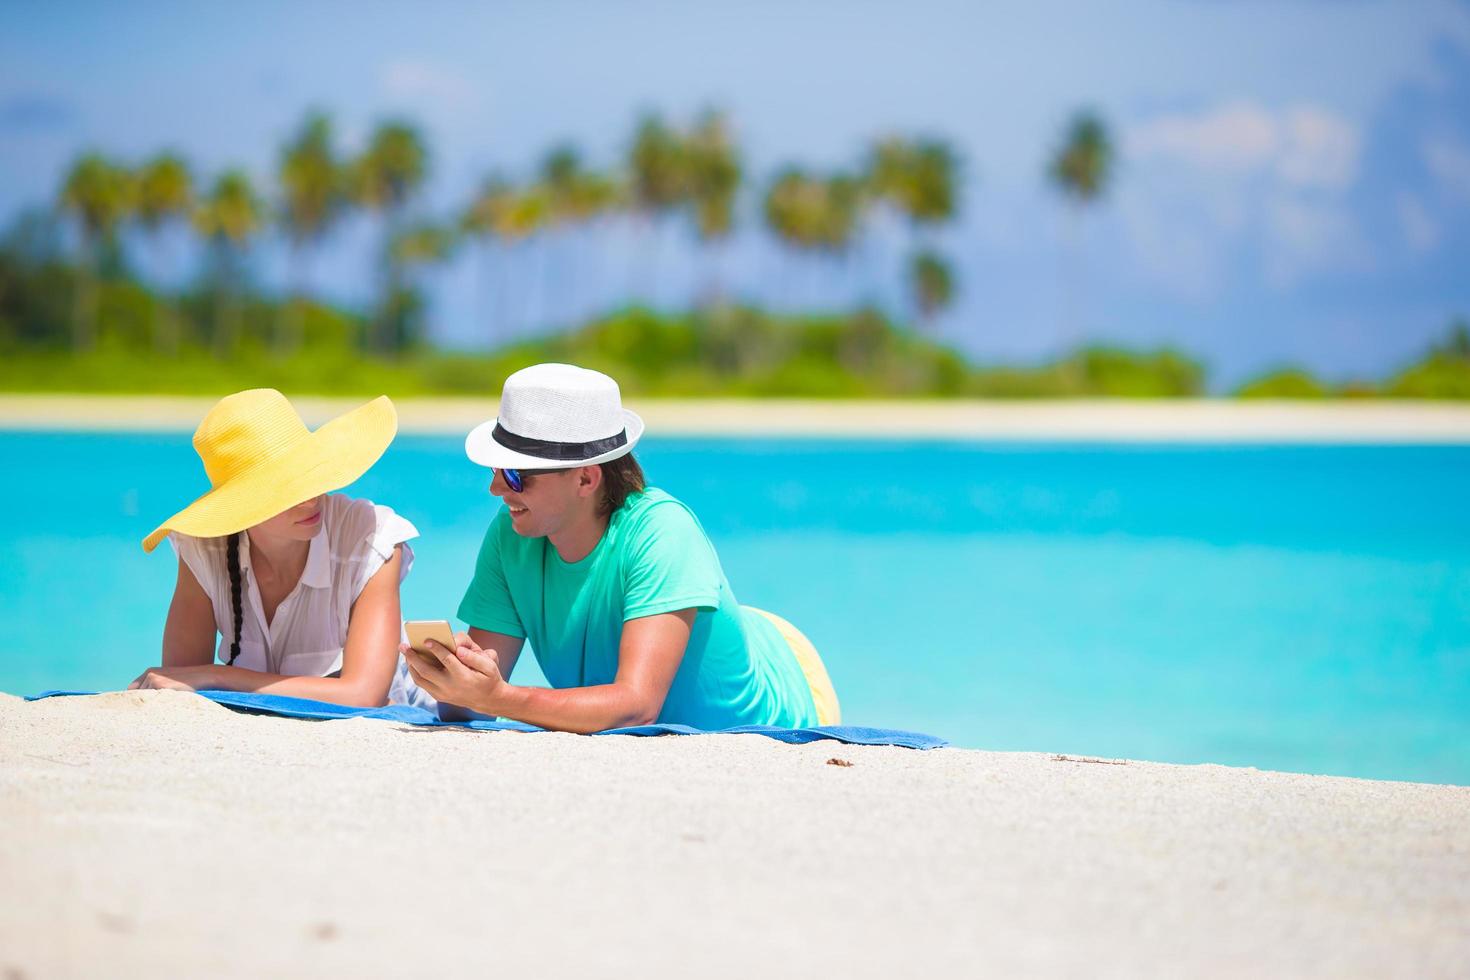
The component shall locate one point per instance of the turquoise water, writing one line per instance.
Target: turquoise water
(1297, 608)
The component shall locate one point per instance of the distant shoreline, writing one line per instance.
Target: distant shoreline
(1183, 420)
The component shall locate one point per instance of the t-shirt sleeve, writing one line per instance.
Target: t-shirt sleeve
(487, 604)
(671, 565)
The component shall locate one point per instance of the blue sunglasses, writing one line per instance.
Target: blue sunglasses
(516, 479)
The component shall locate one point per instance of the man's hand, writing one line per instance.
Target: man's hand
(467, 675)
(174, 679)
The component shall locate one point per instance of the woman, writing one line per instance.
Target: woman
(301, 585)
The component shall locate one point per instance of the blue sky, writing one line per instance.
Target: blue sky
(1293, 180)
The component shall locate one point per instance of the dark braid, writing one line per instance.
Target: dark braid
(232, 556)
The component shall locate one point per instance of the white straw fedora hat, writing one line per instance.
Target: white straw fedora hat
(555, 416)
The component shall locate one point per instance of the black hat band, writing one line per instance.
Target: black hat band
(561, 451)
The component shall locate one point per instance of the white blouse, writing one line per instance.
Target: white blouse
(309, 630)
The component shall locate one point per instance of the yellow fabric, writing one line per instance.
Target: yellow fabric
(261, 460)
(829, 712)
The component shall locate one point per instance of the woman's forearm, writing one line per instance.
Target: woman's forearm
(353, 692)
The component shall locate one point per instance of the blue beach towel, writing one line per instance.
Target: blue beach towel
(274, 704)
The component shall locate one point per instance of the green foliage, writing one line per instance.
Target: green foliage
(918, 178)
(232, 214)
(1437, 376)
(657, 168)
(1084, 162)
(502, 212)
(1110, 371)
(1284, 383)
(99, 193)
(1458, 343)
(811, 212)
(714, 171)
(393, 167)
(312, 183)
(165, 191)
(567, 194)
(423, 243)
(1098, 372)
(728, 351)
(931, 280)
(1445, 373)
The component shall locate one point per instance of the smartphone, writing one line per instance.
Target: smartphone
(420, 631)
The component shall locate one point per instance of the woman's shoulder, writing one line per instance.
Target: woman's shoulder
(357, 525)
(206, 558)
(187, 543)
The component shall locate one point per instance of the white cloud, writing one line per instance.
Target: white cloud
(1318, 149)
(1305, 146)
(1419, 229)
(1304, 236)
(425, 84)
(1241, 173)
(1236, 138)
(1448, 160)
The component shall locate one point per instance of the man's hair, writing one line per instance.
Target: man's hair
(621, 478)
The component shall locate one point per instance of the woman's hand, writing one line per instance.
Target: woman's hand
(467, 675)
(194, 678)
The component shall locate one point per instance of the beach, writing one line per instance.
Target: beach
(158, 834)
(1164, 420)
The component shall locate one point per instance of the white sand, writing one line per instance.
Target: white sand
(1192, 420)
(159, 835)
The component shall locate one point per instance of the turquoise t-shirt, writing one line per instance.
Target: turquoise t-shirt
(654, 558)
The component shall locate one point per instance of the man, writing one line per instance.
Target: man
(615, 584)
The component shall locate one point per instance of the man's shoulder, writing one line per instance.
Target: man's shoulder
(656, 515)
(652, 506)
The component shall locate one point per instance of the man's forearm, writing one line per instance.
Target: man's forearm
(578, 709)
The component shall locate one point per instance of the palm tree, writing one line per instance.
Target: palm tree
(918, 179)
(1457, 346)
(658, 181)
(413, 249)
(528, 214)
(714, 171)
(931, 281)
(485, 220)
(793, 211)
(99, 194)
(562, 179)
(312, 198)
(384, 179)
(500, 213)
(595, 198)
(812, 214)
(228, 218)
(165, 195)
(1080, 170)
(931, 193)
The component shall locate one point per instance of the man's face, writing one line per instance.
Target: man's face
(546, 503)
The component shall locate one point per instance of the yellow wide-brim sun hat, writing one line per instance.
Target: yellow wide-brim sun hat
(262, 460)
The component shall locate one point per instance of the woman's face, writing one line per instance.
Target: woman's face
(301, 523)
